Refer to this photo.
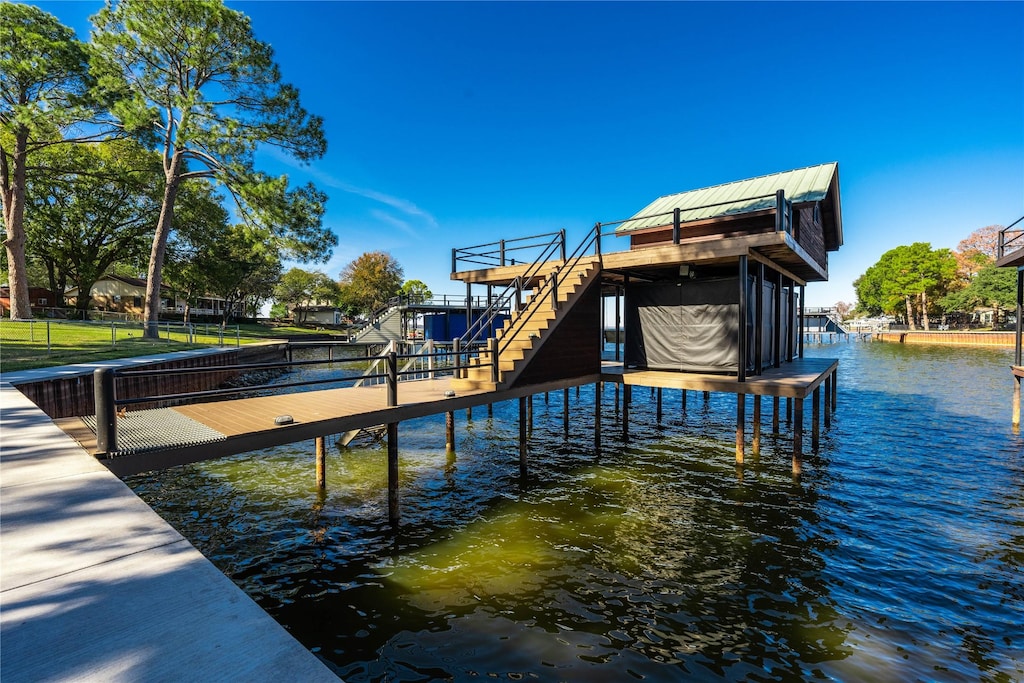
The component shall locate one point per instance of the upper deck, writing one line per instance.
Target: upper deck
(788, 221)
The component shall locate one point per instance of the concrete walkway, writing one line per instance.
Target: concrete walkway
(95, 586)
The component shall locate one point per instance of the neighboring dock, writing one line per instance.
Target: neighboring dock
(95, 586)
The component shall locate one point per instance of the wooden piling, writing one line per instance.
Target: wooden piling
(393, 513)
(529, 414)
(626, 391)
(741, 418)
(828, 402)
(597, 417)
(835, 379)
(756, 445)
(815, 418)
(449, 432)
(1015, 406)
(522, 437)
(659, 405)
(565, 411)
(321, 463)
(775, 414)
(683, 401)
(798, 433)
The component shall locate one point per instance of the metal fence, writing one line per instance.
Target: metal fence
(21, 339)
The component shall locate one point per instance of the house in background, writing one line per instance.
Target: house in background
(39, 298)
(127, 295)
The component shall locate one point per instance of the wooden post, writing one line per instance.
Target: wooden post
(565, 412)
(469, 414)
(490, 410)
(675, 226)
(529, 414)
(597, 417)
(756, 446)
(798, 434)
(1016, 402)
(321, 463)
(835, 380)
(522, 437)
(616, 399)
(683, 401)
(789, 409)
(707, 397)
(392, 379)
(626, 391)
(618, 323)
(449, 431)
(775, 414)
(758, 304)
(659, 405)
(828, 401)
(744, 329)
(815, 417)
(741, 418)
(393, 515)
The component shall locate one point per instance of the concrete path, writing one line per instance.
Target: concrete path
(95, 586)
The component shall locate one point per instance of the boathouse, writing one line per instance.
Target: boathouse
(712, 282)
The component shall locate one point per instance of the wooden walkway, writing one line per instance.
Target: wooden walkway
(249, 424)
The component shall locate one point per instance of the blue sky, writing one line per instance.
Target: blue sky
(453, 124)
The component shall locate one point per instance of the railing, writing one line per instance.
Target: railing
(1010, 240)
(444, 301)
(108, 404)
(783, 219)
(506, 252)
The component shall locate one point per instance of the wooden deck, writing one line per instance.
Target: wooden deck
(248, 424)
(794, 380)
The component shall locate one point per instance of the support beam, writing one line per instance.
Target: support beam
(682, 400)
(393, 510)
(756, 446)
(449, 432)
(321, 463)
(522, 437)
(835, 381)
(659, 405)
(815, 418)
(827, 413)
(565, 412)
(798, 435)
(627, 390)
(741, 419)
(775, 414)
(744, 326)
(597, 416)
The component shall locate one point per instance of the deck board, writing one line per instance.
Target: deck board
(248, 424)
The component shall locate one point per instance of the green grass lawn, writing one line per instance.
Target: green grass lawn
(25, 346)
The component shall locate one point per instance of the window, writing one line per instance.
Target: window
(42, 301)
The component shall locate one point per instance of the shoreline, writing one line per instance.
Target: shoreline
(948, 338)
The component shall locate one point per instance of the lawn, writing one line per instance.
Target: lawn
(39, 344)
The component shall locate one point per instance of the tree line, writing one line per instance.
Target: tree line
(136, 151)
(915, 282)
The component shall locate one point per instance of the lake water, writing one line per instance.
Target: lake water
(898, 556)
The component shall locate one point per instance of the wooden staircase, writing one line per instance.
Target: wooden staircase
(526, 331)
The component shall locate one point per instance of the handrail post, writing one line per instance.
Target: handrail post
(780, 211)
(457, 353)
(453, 260)
(597, 238)
(554, 291)
(561, 238)
(492, 346)
(675, 225)
(106, 412)
(501, 250)
(519, 294)
(392, 379)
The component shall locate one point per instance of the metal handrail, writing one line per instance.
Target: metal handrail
(512, 293)
(495, 253)
(1002, 242)
(550, 284)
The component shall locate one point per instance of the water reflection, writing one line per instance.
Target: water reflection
(898, 555)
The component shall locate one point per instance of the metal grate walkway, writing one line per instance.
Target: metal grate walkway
(142, 431)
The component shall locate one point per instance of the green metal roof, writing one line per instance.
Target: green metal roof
(742, 196)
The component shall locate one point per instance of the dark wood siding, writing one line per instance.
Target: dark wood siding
(574, 348)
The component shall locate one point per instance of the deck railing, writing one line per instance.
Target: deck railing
(427, 361)
(1010, 240)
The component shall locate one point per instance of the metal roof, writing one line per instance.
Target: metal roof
(741, 196)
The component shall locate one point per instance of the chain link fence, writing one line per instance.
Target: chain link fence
(24, 341)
